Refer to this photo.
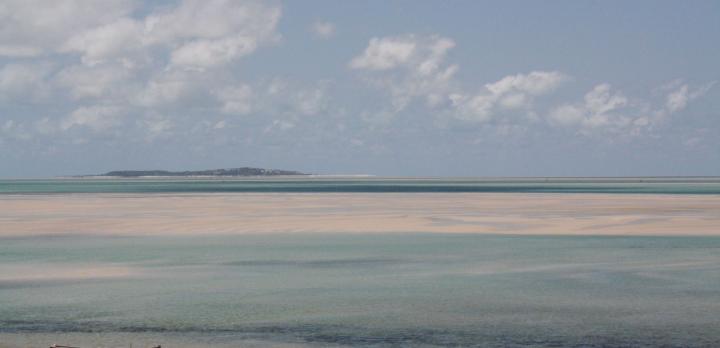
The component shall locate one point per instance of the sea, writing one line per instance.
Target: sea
(365, 290)
(310, 184)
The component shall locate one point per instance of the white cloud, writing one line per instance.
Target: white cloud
(98, 118)
(214, 19)
(294, 99)
(409, 66)
(154, 60)
(201, 54)
(35, 27)
(603, 109)
(158, 59)
(236, 99)
(386, 53)
(219, 125)
(156, 126)
(200, 34)
(83, 81)
(678, 99)
(278, 96)
(310, 101)
(534, 83)
(600, 100)
(511, 92)
(108, 41)
(168, 87)
(324, 30)
(19, 50)
(214, 32)
(22, 81)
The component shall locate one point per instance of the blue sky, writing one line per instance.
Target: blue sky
(462, 88)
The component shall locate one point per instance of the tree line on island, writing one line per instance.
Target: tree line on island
(244, 171)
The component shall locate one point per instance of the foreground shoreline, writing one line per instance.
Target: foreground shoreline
(251, 213)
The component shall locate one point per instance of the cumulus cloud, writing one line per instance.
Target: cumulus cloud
(511, 92)
(214, 32)
(74, 70)
(213, 19)
(81, 81)
(35, 27)
(200, 34)
(156, 126)
(109, 41)
(19, 50)
(600, 108)
(604, 109)
(202, 54)
(386, 53)
(97, 118)
(153, 60)
(412, 66)
(279, 97)
(310, 101)
(408, 66)
(168, 88)
(236, 99)
(324, 30)
(23, 81)
(678, 99)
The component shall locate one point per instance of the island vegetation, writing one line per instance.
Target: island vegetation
(243, 171)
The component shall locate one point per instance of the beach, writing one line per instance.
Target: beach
(251, 213)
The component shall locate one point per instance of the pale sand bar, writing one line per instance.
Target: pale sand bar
(241, 213)
(49, 272)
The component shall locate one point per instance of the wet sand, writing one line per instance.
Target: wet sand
(244, 213)
(39, 272)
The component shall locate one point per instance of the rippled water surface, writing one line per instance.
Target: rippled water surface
(664, 185)
(409, 290)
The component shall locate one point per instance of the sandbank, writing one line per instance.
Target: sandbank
(243, 213)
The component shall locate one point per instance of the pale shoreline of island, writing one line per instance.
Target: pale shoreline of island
(190, 214)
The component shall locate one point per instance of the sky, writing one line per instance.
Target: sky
(401, 88)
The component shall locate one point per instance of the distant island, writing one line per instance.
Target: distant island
(244, 171)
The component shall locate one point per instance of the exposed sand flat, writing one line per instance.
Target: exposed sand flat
(236, 213)
(59, 272)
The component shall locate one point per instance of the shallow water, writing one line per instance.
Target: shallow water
(360, 290)
(639, 185)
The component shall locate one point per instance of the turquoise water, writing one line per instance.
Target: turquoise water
(399, 290)
(546, 185)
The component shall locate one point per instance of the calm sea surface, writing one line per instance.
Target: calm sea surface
(709, 185)
(410, 290)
